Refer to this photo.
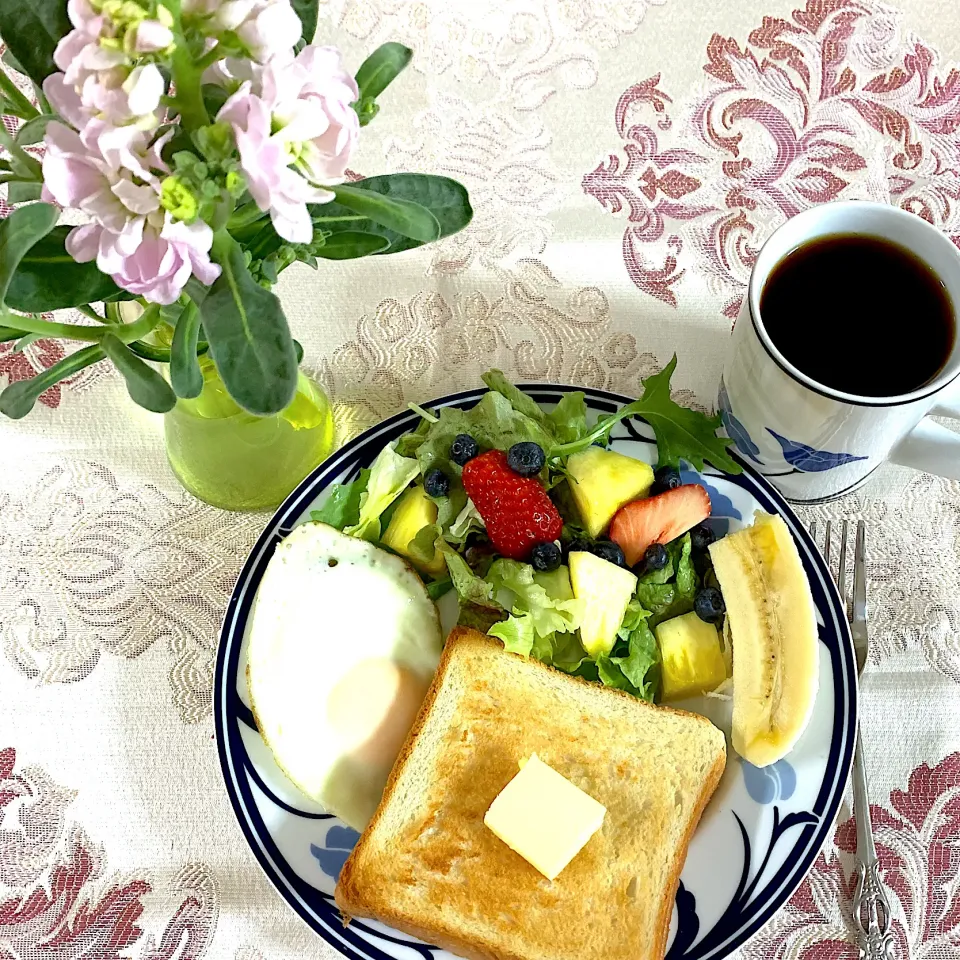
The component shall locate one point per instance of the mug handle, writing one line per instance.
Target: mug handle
(930, 446)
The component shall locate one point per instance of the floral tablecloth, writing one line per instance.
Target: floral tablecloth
(626, 158)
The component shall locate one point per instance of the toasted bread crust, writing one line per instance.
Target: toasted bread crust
(359, 895)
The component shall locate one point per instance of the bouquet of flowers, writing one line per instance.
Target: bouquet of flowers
(199, 147)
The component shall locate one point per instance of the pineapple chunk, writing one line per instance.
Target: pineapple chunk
(602, 481)
(414, 511)
(692, 659)
(606, 589)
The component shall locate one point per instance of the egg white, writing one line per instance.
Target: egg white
(344, 641)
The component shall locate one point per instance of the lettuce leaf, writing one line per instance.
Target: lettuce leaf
(469, 587)
(682, 433)
(468, 521)
(569, 417)
(633, 664)
(390, 475)
(548, 614)
(673, 598)
(342, 506)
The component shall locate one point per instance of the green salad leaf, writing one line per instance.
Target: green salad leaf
(671, 595)
(569, 418)
(342, 506)
(633, 664)
(390, 475)
(467, 521)
(470, 587)
(550, 612)
(682, 434)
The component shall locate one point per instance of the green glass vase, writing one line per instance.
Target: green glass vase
(238, 461)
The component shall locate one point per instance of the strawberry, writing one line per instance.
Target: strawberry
(517, 511)
(660, 519)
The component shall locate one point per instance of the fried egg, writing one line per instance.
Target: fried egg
(343, 644)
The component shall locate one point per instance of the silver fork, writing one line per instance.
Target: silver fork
(871, 909)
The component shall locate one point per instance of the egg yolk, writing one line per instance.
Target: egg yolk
(372, 707)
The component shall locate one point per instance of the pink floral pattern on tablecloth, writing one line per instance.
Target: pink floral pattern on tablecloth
(57, 899)
(835, 102)
(918, 841)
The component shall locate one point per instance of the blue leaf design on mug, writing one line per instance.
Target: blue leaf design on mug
(736, 431)
(808, 459)
(337, 846)
(769, 784)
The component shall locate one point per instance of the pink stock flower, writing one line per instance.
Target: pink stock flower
(108, 173)
(267, 28)
(295, 136)
(97, 80)
(168, 254)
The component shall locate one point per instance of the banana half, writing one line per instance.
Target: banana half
(773, 626)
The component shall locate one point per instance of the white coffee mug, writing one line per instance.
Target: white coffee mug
(814, 442)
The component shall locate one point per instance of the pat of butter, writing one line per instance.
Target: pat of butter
(542, 816)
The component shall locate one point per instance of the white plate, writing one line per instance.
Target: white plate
(758, 837)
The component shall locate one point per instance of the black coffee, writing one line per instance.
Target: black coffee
(859, 314)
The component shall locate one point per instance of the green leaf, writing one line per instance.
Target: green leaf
(446, 199)
(248, 335)
(520, 401)
(10, 333)
(48, 278)
(20, 192)
(145, 386)
(381, 68)
(493, 423)
(18, 398)
(31, 30)
(517, 634)
(549, 614)
(12, 62)
(351, 245)
(214, 97)
(342, 506)
(185, 375)
(25, 342)
(406, 217)
(306, 10)
(18, 233)
(33, 130)
(681, 433)
(390, 475)
(437, 588)
(471, 588)
(569, 417)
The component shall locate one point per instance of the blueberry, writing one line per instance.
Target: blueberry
(709, 605)
(436, 483)
(608, 550)
(655, 558)
(666, 478)
(526, 458)
(545, 556)
(463, 449)
(701, 536)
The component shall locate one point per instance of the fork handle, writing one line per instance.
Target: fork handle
(871, 909)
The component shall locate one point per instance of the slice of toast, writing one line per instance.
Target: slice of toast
(428, 865)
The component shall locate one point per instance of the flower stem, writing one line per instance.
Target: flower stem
(186, 78)
(75, 331)
(209, 58)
